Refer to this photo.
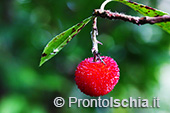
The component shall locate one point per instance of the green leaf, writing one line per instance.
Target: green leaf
(59, 41)
(147, 11)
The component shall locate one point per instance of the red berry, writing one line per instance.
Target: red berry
(96, 78)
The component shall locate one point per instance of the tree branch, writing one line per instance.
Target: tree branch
(136, 20)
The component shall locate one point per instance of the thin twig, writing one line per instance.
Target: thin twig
(94, 33)
(136, 20)
(104, 4)
(95, 42)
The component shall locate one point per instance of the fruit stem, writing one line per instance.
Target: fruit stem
(94, 33)
(94, 57)
(95, 42)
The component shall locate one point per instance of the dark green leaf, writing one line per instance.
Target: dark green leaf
(59, 41)
(147, 11)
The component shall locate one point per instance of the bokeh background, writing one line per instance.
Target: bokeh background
(26, 26)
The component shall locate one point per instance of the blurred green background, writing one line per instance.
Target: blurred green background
(26, 26)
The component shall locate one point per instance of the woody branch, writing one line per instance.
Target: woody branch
(136, 20)
(119, 16)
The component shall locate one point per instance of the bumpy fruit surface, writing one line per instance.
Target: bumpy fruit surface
(96, 78)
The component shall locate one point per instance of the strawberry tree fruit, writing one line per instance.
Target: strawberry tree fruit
(97, 78)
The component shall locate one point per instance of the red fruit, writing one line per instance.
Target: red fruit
(96, 78)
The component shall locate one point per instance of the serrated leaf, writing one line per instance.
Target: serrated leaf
(59, 41)
(147, 11)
